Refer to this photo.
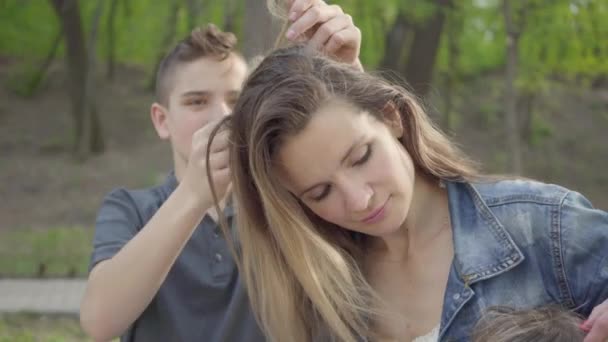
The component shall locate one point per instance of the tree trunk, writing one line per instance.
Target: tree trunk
(525, 109)
(166, 42)
(511, 125)
(126, 4)
(420, 64)
(111, 39)
(260, 29)
(454, 29)
(395, 43)
(230, 15)
(194, 10)
(93, 141)
(68, 13)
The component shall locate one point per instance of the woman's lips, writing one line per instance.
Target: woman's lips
(376, 215)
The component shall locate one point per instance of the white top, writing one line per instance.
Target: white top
(432, 336)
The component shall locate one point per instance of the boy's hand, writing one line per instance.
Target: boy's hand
(195, 177)
(597, 324)
(326, 28)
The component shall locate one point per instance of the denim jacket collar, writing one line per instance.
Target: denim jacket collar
(482, 248)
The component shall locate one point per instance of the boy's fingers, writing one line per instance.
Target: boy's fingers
(315, 15)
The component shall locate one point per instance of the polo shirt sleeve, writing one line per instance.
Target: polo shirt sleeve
(117, 223)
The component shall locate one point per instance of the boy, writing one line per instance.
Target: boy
(161, 270)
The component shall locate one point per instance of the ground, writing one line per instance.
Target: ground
(25, 327)
(31, 328)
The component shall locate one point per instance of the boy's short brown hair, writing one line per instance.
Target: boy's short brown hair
(546, 324)
(202, 42)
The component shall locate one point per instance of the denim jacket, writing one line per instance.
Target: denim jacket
(522, 244)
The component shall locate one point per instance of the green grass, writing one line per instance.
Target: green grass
(34, 328)
(50, 252)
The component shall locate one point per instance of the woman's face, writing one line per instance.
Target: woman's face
(349, 169)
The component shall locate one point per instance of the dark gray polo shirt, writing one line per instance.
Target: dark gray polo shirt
(203, 298)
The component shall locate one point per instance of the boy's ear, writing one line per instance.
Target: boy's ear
(159, 115)
(392, 118)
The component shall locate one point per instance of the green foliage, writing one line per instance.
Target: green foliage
(565, 38)
(418, 11)
(27, 27)
(49, 252)
(561, 38)
(19, 80)
(482, 40)
(540, 130)
(371, 17)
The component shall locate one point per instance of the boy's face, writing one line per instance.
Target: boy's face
(200, 92)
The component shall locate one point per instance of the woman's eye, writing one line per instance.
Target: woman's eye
(322, 195)
(365, 157)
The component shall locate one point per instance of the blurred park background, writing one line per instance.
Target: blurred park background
(522, 85)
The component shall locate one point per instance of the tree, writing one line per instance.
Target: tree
(259, 31)
(420, 64)
(511, 124)
(111, 47)
(194, 9)
(92, 137)
(167, 39)
(395, 43)
(455, 22)
(87, 135)
(412, 42)
(230, 15)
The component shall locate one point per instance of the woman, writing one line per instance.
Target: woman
(358, 219)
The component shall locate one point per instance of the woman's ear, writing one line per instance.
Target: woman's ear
(392, 118)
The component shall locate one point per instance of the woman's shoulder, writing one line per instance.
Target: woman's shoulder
(558, 229)
(507, 191)
(541, 207)
(536, 212)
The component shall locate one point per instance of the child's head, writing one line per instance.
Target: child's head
(208, 43)
(546, 324)
(198, 81)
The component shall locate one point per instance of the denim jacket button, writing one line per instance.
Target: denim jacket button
(456, 296)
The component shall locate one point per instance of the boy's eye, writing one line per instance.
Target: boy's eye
(199, 101)
(231, 101)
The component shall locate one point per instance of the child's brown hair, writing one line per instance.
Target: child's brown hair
(202, 42)
(545, 324)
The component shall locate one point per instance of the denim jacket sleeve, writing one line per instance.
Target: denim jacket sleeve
(584, 238)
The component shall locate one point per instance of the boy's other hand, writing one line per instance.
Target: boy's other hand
(195, 177)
